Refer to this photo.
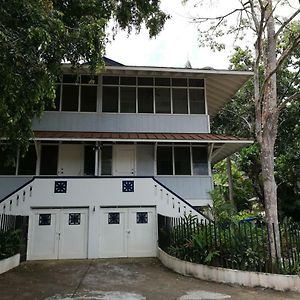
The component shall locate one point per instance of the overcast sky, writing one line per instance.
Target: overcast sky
(177, 43)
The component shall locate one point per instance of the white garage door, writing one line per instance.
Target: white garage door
(128, 232)
(58, 233)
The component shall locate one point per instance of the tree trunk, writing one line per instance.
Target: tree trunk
(270, 192)
(230, 181)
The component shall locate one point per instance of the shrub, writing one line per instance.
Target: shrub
(10, 243)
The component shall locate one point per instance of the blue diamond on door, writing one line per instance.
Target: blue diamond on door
(128, 186)
(60, 187)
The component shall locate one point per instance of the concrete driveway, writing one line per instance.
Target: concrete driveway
(115, 279)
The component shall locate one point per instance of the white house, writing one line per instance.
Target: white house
(118, 149)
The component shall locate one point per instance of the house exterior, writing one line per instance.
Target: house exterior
(118, 149)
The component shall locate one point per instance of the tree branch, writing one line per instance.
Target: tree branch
(285, 101)
(280, 61)
(286, 22)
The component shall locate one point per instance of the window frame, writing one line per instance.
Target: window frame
(171, 87)
(79, 84)
(173, 159)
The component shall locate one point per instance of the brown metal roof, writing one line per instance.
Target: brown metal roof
(84, 135)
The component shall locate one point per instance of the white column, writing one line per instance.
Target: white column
(97, 159)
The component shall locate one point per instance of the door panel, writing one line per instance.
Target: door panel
(58, 233)
(142, 238)
(44, 235)
(113, 239)
(73, 233)
(124, 160)
(128, 232)
(70, 161)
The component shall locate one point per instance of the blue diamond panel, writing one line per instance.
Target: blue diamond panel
(60, 187)
(141, 217)
(113, 218)
(128, 186)
(74, 219)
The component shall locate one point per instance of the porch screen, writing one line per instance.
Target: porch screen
(200, 166)
(49, 159)
(7, 162)
(164, 161)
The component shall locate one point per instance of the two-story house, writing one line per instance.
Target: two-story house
(117, 149)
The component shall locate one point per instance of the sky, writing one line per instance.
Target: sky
(178, 42)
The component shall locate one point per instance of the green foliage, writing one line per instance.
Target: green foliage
(10, 243)
(36, 36)
(242, 185)
(238, 244)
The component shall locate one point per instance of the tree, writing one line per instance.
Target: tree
(259, 16)
(36, 36)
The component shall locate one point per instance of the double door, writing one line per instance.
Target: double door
(58, 233)
(128, 232)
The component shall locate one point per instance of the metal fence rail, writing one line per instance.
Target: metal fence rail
(11, 223)
(242, 246)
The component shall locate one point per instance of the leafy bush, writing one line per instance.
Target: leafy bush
(10, 243)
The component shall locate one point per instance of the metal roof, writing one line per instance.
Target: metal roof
(222, 146)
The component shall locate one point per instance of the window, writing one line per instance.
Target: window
(113, 218)
(180, 101)
(153, 95)
(89, 160)
(182, 160)
(27, 163)
(197, 101)
(110, 99)
(76, 93)
(44, 219)
(106, 160)
(164, 161)
(141, 217)
(49, 158)
(127, 99)
(88, 100)
(176, 160)
(200, 166)
(74, 219)
(7, 162)
(145, 100)
(163, 100)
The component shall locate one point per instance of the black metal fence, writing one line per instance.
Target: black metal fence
(242, 245)
(9, 223)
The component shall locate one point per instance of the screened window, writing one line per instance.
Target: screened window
(70, 98)
(197, 102)
(127, 100)
(27, 163)
(88, 99)
(180, 101)
(106, 160)
(7, 162)
(182, 160)
(76, 93)
(153, 95)
(200, 166)
(162, 100)
(89, 160)
(145, 100)
(164, 161)
(110, 99)
(49, 159)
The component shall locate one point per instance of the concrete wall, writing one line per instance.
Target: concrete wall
(230, 276)
(114, 122)
(93, 193)
(9, 263)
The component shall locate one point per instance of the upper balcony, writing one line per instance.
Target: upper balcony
(127, 104)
